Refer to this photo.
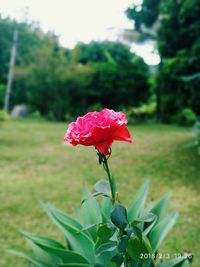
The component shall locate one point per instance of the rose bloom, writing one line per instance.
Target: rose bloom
(99, 129)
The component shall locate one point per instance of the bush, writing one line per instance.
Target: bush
(142, 113)
(186, 117)
(98, 74)
(4, 116)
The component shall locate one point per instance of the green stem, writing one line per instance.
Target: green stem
(110, 179)
(126, 263)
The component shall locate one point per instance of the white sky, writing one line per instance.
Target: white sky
(78, 20)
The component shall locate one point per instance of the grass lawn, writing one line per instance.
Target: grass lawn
(34, 164)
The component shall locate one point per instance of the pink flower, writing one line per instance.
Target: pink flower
(99, 129)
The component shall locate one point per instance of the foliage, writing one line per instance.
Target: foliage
(101, 234)
(56, 94)
(186, 117)
(30, 39)
(121, 85)
(4, 116)
(97, 82)
(96, 52)
(182, 18)
(178, 79)
(144, 15)
(174, 25)
(177, 88)
(61, 83)
(142, 113)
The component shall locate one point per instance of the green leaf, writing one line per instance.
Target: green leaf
(123, 243)
(106, 207)
(137, 232)
(104, 233)
(119, 216)
(136, 264)
(150, 227)
(30, 258)
(172, 262)
(90, 213)
(43, 240)
(117, 261)
(137, 205)
(96, 194)
(55, 250)
(103, 187)
(186, 263)
(138, 247)
(42, 255)
(47, 207)
(106, 247)
(81, 243)
(160, 231)
(161, 207)
(149, 217)
(106, 252)
(87, 227)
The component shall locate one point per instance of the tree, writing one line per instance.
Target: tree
(30, 39)
(120, 78)
(90, 76)
(61, 83)
(177, 37)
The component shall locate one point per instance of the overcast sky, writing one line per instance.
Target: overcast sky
(78, 20)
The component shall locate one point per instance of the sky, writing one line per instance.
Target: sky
(79, 20)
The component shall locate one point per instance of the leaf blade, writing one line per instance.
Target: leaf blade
(138, 202)
(161, 229)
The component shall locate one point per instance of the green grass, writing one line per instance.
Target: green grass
(35, 164)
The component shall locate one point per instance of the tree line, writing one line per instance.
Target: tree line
(62, 83)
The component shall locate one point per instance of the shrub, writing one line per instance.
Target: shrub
(186, 117)
(4, 116)
(143, 113)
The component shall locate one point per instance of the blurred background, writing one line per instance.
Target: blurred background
(61, 59)
(139, 56)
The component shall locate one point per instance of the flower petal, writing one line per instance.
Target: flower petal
(104, 147)
(122, 134)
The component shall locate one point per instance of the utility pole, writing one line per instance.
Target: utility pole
(11, 71)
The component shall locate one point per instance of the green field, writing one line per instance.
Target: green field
(35, 164)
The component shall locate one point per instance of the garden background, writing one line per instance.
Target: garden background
(56, 84)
